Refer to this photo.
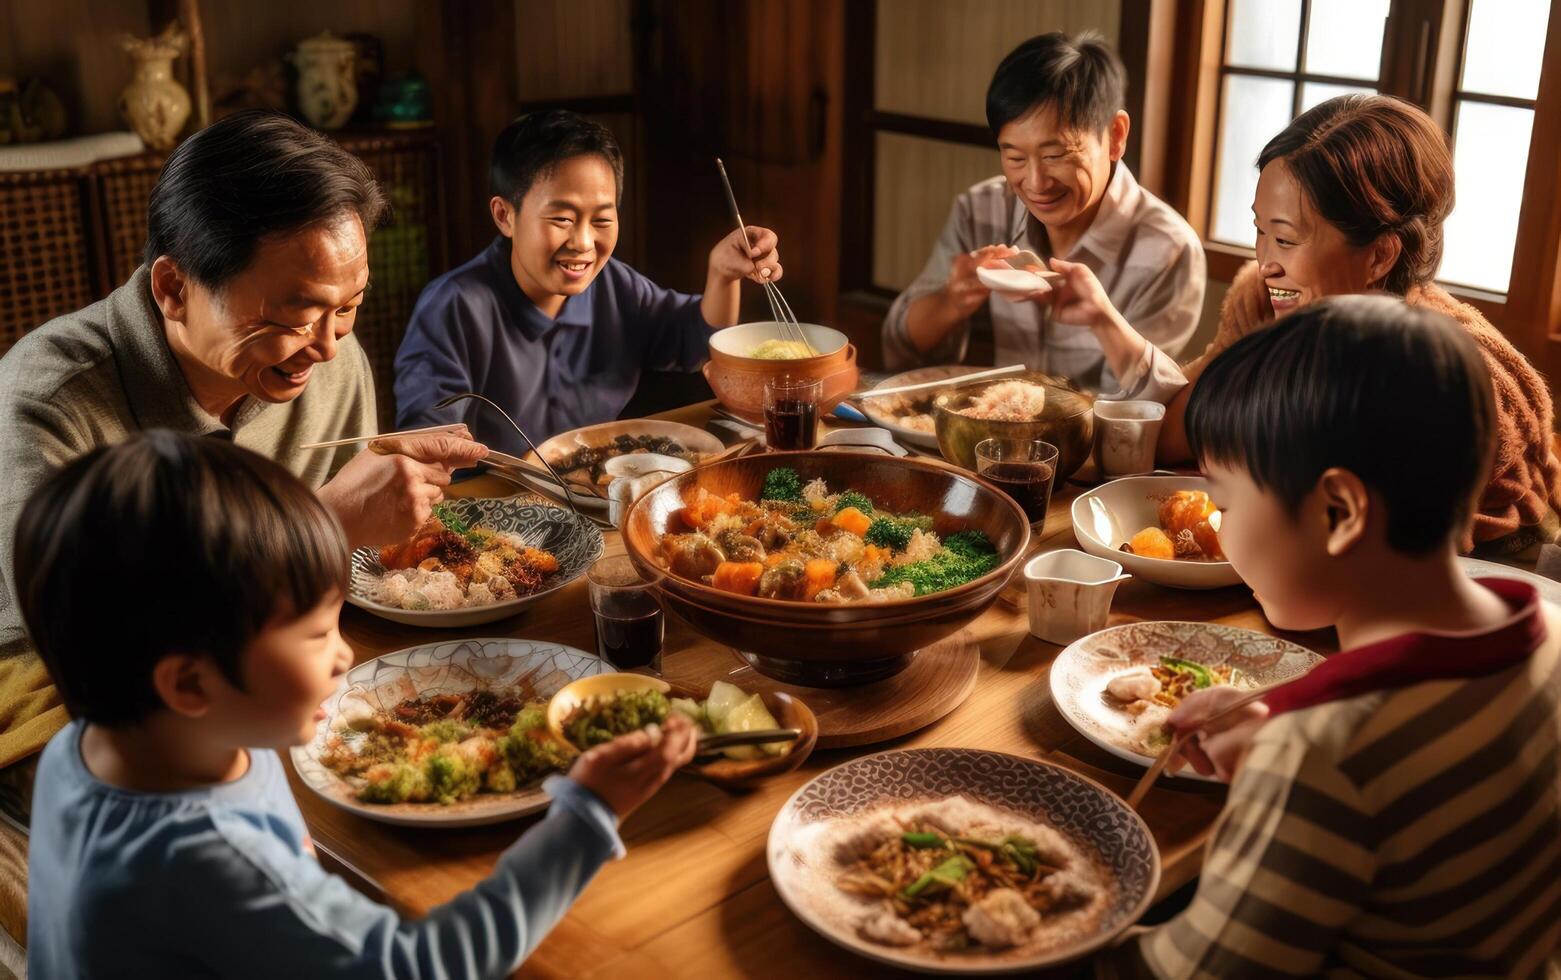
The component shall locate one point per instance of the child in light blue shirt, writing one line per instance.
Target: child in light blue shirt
(165, 839)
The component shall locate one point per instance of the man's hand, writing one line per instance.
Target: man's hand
(1218, 747)
(388, 491)
(629, 770)
(965, 293)
(731, 260)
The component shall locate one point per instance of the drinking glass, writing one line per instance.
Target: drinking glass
(791, 412)
(1022, 468)
(629, 623)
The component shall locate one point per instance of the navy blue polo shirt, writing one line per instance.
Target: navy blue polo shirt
(473, 329)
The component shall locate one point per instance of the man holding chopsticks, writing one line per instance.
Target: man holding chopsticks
(238, 326)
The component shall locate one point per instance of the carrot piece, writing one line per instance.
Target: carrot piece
(705, 507)
(817, 575)
(853, 520)
(741, 577)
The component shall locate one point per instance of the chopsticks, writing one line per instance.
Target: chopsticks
(945, 383)
(779, 308)
(1147, 780)
(712, 743)
(370, 437)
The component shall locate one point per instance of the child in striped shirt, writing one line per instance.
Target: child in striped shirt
(1397, 811)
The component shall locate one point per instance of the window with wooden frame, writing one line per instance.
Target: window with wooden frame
(1489, 71)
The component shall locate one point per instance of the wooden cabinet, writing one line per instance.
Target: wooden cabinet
(69, 237)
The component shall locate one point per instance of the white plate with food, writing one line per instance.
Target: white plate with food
(909, 416)
(1117, 686)
(1549, 589)
(444, 735)
(478, 560)
(1163, 529)
(962, 861)
(580, 455)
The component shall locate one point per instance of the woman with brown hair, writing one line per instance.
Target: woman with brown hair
(1351, 198)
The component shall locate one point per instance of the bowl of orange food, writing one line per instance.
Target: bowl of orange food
(1164, 529)
(826, 569)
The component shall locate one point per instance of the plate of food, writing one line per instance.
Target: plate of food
(580, 456)
(962, 861)
(447, 734)
(1164, 529)
(476, 561)
(1117, 686)
(909, 415)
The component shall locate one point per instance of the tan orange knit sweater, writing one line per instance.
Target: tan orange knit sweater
(1525, 483)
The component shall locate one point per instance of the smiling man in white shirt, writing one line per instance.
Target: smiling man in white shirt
(1055, 109)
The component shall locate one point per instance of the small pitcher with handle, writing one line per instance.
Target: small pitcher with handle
(1070, 593)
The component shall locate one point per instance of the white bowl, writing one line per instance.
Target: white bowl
(738, 341)
(1021, 281)
(1129, 505)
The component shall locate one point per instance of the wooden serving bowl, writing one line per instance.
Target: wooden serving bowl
(738, 380)
(824, 644)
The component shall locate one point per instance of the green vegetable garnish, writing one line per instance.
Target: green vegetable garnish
(923, 841)
(782, 484)
(964, 557)
(853, 498)
(946, 875)
(888, 531)
(1201, 677)
(454, 524)
(604, 719)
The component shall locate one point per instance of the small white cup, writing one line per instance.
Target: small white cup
(1070, 594)
(1125, 436)
(636, 474)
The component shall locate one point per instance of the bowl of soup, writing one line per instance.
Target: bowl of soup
(744, 357)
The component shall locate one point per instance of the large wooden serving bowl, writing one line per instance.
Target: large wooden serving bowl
(824, 644)
(738, 380)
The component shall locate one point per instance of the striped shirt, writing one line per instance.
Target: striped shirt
(1147, 257)
(1413, 832)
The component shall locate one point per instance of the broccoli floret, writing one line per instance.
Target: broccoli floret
(889, 531)
(398, 782)
(530, 718)
(604, 719)
(964, 557)
(782, 484)
(530, 749)
(852, 498)
(500, 778)
(451, 776)
(445, 731)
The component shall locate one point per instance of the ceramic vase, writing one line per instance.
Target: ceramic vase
(154, 104)
(327, 82)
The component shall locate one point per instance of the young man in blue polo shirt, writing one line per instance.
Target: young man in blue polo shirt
(544, 321)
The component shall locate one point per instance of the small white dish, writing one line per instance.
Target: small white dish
(862, 441)
(1123, 507)
(1125, 436)
(1070, 593)
(1014, 280)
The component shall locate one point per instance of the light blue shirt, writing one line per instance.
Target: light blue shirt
(221, 881)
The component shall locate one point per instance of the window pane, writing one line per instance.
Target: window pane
(1252, 110)
(1505, 45)
(1490, 156)
(1313, 93)
(1264, 33)
(1344, 37)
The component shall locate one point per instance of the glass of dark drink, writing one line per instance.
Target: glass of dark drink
(1022, 468)
(791, 412)
(629, 624)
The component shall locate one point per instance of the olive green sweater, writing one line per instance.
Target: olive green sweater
(93, 377)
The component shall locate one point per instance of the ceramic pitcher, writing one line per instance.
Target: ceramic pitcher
(154, 104)
(1070, 594)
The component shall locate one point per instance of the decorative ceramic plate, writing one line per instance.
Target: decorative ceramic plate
(900, 413)
(1098, 825)
(604, 435)
(1549, 588)
(573, 540)
(539, 669)
(1080, 673)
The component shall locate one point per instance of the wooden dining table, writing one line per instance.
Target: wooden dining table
(693, 897)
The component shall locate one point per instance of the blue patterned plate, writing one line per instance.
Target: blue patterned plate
(1095, 821)
(575, 541)
(541, 669)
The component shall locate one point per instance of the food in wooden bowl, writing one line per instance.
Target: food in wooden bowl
(783, 631)
(743, 358)
(1026, 406)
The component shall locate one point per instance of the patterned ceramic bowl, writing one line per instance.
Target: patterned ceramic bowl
(1081, 672)
(539, 669)
(1094, 820)
(573, 540)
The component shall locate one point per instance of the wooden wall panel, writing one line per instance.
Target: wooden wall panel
(242, 35)
(916, 182)
(936, 58)
(74, 44)
(570, 49)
